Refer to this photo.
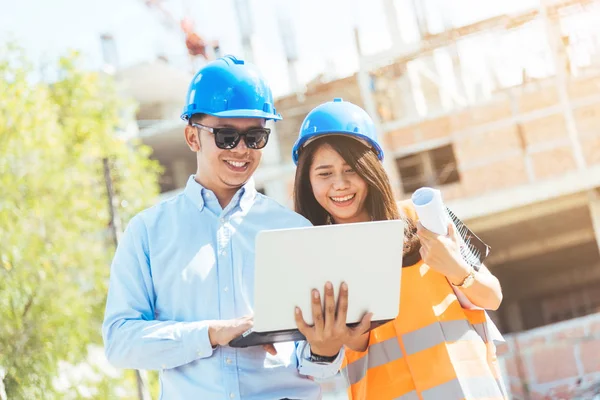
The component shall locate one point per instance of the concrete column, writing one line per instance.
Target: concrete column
(405, 90)
(513, 318)
(430, 83)
(559, 57)
(392, 22)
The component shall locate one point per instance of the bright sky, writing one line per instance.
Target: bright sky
(323, 28)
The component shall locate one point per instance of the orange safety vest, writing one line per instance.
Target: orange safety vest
(433, 350)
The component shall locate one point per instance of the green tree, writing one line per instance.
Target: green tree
(55, 245)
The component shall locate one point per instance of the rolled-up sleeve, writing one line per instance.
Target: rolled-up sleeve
(316, 370)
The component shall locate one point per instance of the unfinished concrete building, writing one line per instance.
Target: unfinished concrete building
(502, 115)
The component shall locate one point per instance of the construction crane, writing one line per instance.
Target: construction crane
(196, 45)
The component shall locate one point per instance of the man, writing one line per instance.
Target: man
(181, 285)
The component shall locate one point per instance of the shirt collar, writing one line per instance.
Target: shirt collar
(244, 197)
(248, 195)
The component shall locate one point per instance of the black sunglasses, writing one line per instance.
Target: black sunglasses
(229, 138)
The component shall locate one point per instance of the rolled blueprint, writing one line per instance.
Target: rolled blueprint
(431, 210)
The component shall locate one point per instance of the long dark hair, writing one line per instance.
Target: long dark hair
(380, 202)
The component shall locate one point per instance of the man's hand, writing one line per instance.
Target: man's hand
(270, 348)
(222, 332)
(330, 331)
(442, 253)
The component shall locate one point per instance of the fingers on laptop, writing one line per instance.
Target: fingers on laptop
(242, 325)
(303, 327)
(224, 331)
(330, 308)
(365, 324)
(342, 308)
(317, 311)
(328, 320)
(316, 330)
(245, 322)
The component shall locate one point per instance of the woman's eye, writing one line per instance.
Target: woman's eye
(325, 174)
(350, 170)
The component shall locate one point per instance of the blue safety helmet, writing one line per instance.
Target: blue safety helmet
(230, 88)
(337, 117)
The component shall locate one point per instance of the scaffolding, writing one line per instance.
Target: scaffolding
(452, 72)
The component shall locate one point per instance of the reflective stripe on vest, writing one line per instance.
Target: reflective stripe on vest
(429, 336)
(444, 331)
(459, 389)
(379, 354)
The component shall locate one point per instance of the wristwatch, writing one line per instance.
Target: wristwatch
(468, 281)
(321, 359)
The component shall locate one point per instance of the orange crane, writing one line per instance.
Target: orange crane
(196, 45)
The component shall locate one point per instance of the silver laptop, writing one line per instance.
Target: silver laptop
(291, 262)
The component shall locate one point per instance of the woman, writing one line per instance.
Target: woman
(435, 349)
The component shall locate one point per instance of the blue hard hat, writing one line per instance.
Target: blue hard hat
(337, 117)
(230, 88)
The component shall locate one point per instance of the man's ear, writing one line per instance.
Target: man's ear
(192, 138)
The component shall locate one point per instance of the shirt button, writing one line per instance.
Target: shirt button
(225, 288)
(224, 252)
(231, 396)
(228, 360)
(223, 220)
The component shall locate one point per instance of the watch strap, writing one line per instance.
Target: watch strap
(316, 358)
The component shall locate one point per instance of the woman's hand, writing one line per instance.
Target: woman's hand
(442, 253)
(330, 332)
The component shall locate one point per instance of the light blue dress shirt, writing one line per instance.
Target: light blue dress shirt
(187, 261)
